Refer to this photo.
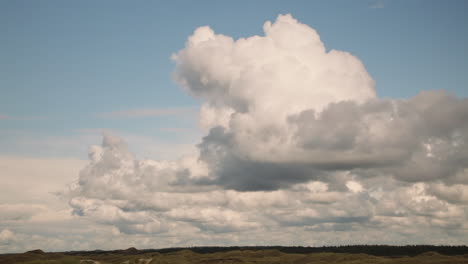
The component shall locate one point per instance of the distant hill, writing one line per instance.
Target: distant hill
(364, 254)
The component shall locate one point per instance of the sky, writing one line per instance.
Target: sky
(159, 124)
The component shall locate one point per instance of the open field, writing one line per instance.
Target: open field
(248, 256)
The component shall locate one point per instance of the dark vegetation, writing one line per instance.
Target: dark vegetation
(376, 250)
(267, 255)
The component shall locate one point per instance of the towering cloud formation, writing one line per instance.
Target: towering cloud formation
(282, 73)
(297, 141)
(281, 109)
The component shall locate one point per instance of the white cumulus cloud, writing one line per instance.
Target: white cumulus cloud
(299, 149)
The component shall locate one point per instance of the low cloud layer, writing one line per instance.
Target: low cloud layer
(299, 149)
(179, 204)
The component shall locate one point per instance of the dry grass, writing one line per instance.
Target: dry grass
(236, 256)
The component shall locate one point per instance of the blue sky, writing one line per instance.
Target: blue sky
(274, 154)
(65, 62)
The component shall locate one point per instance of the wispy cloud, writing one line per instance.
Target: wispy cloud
(174, 129)
(149, 112)
(24, 118)
(378, 5)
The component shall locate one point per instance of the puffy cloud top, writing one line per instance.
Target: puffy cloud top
(284, 72)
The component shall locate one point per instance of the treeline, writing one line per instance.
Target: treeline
(376, 250)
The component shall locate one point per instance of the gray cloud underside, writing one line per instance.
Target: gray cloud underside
(422, 139)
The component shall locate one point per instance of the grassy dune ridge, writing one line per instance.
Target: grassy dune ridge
(245, 255)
